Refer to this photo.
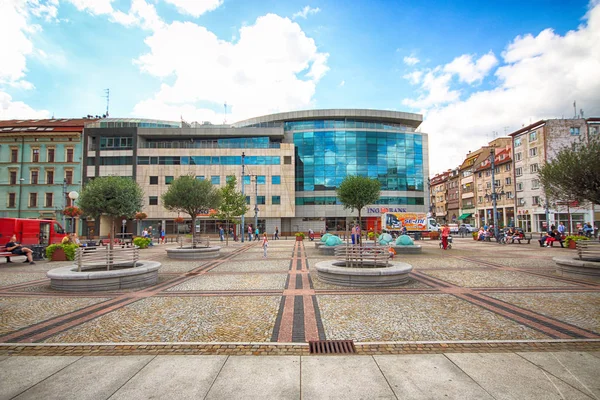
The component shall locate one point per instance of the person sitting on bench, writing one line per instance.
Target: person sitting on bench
(15, 247)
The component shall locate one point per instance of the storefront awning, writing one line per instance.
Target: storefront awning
(465, 216)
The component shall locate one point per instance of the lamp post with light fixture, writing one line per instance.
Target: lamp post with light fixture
(494, 195)
(73, 195)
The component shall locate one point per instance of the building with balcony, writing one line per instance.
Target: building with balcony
(534, 145)
(439, 196)
(40, 163)
(502, 185)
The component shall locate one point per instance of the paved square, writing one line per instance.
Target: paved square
(474, 292)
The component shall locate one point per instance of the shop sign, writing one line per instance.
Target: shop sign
(381, 210)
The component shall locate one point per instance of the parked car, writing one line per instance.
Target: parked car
(466, 228)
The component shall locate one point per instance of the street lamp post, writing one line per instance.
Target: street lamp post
(256, 202)
(73, 195)
(494, 195)
(242, 231)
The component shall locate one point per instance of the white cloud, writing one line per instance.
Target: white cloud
(469, 71)
(15, 45)
(94, 7)
(273, 67)
(305, 12)
(411, 60)
(437, 86)
(195, 8)
(342, 83)
(140, 13)
(540, 76)
(18, 110)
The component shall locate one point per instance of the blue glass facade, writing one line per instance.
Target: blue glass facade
(325, 157)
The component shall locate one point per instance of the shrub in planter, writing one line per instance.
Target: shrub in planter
(574, 238)
(141, 242)
(68, 249)
(475, 235)
(300, 236)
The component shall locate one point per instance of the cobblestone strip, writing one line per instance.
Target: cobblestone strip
(549, 326)
(23, 284)
(26, 334)
(301, 349)
(532, 272)
(284, 323)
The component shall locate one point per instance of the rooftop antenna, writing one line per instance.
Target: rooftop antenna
(107, 95)
(506, 129)
(575, 108)
(581, 112)
(225, 119)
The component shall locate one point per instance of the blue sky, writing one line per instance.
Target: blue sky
(471, 68)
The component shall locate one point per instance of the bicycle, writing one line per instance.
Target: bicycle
(501, 238)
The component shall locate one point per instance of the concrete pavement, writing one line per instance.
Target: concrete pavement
(527, 375)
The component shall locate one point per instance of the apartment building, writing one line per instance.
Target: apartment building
(439, 196)
(40, 164)
(534, 145)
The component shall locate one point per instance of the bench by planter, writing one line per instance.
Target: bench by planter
(588, 250)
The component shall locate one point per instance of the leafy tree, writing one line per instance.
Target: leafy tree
(573, 173)
(233, 205)
(191, 196)
(112, 196)
(355, 192)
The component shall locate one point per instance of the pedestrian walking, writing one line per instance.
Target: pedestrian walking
(257, 234)
(265, 245)
(221, 233)
(445, 234)
(162, 236)
(276, 233)
(249, 233)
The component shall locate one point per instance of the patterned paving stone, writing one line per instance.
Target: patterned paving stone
(14, 278)
(521, 262)
(170, 265)
(268, 265)
(494, 278)
(210, 282)
(46, 288)
(319, 285)
(432, 263)
(181, 319)
(579, 309)
(414, 317)
(19, 312)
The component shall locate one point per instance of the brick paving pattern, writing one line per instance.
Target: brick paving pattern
(477, 297)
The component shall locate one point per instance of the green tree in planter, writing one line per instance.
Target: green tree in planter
(111, 196)
(355, 192)
(233, 205)
(191, 196)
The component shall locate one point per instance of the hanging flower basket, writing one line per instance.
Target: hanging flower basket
(72, 211)
(178, 220)
(140, 216)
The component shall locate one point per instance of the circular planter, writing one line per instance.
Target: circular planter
(196, 253)
(576, 268)
(336, 273)
(125, 276)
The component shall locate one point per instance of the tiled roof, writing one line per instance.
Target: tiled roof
(45, 123)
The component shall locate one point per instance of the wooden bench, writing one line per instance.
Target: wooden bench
(201, 241)
(522, 239)
(8, 254)
(588, 250)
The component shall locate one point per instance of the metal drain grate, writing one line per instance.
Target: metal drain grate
(332, 347)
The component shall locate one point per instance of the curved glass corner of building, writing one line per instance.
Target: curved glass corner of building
(325, 156)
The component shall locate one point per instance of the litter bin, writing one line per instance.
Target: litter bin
(39, 251)
(417, 235)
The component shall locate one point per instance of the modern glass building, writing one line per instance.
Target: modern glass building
(332, 144)
(293, 162)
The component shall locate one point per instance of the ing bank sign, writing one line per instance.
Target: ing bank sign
(382, 210)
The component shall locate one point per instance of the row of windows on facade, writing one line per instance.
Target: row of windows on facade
(275, 200)
(216, 179)
(50, 155)
(126, 143)
(34, 176)
(573, 131)
(33, 200)
(191, 160)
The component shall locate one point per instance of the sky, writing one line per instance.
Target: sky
(475, 70)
